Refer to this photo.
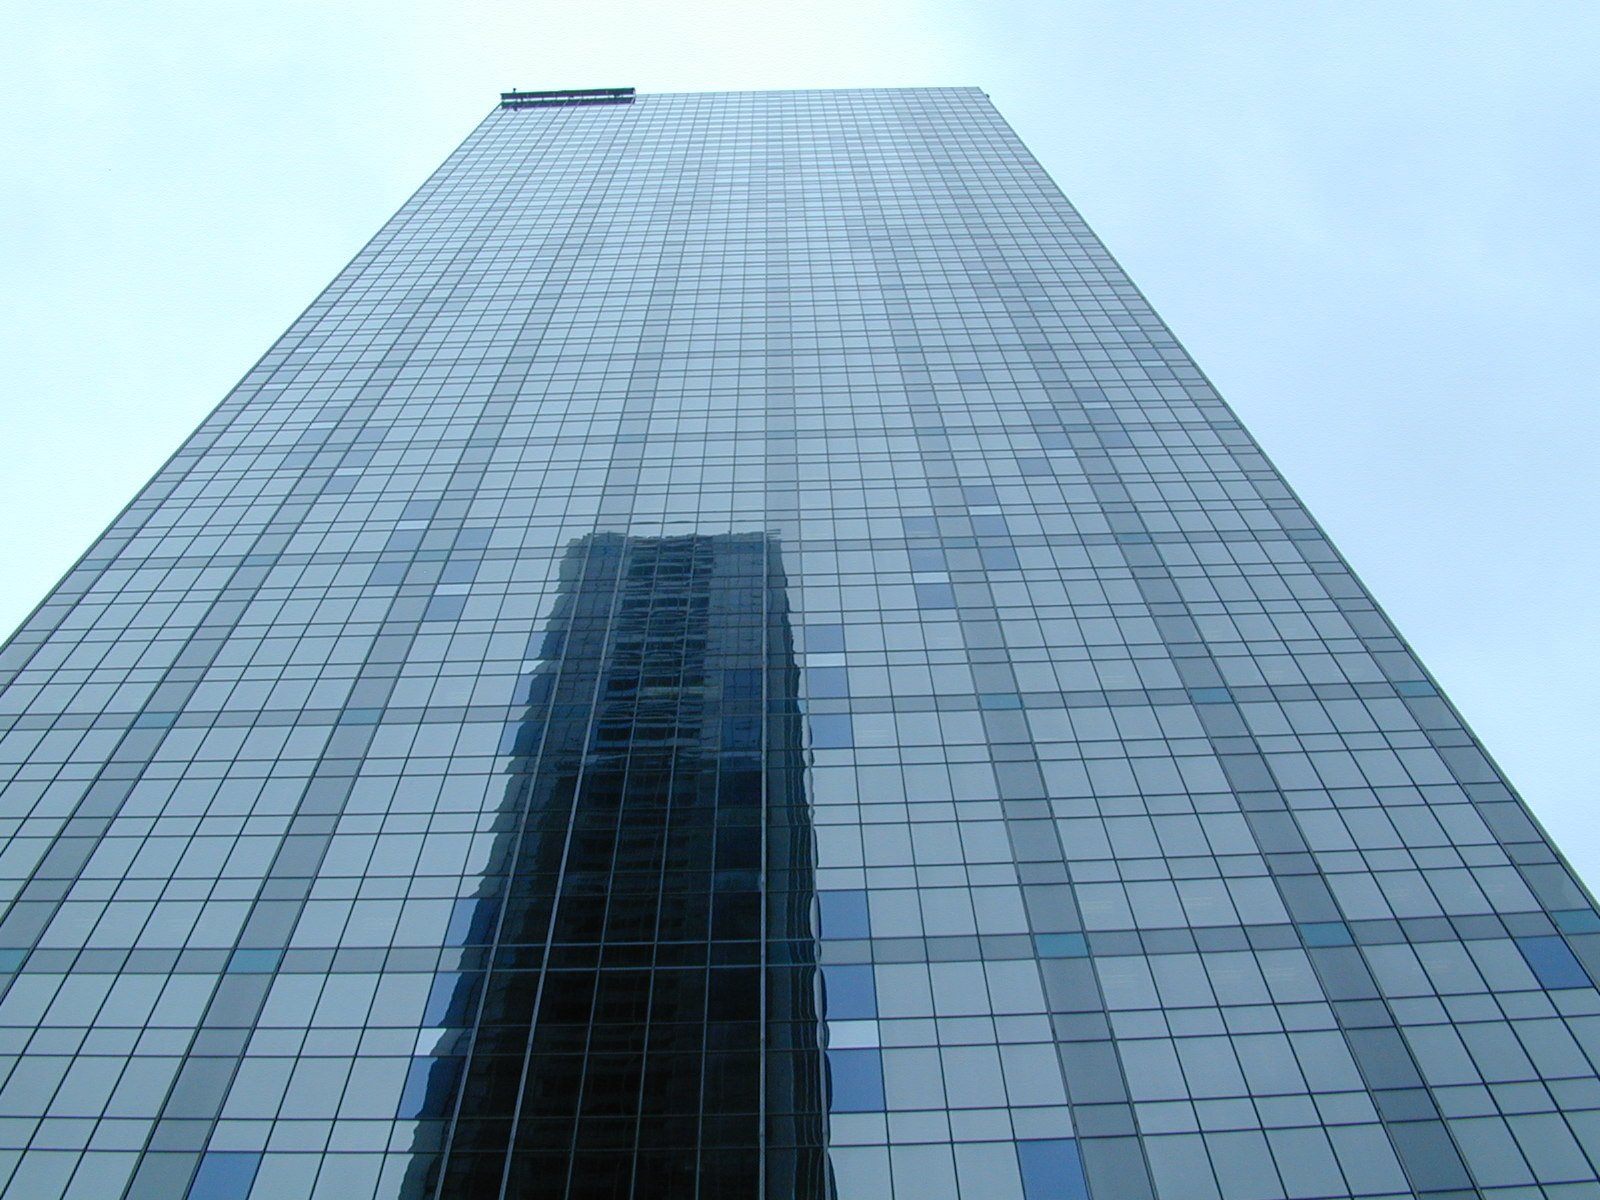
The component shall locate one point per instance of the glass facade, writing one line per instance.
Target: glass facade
(731, 654)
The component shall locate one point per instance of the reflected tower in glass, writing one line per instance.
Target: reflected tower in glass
(730, 654)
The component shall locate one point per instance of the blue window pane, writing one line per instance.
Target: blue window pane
(1325, 933)
(823, 639)
(224, 1175)
(935, 595)
(1061, 945)
(1052, 1170)
(844, 914)
(999, 700)
(1552, 962)
(444, 608)
(832, 731)
(826, 682)
(855, 1081)
(851, 994)
(1577, 920)
(254, 962)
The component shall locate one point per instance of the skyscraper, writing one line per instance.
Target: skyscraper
(731, 654)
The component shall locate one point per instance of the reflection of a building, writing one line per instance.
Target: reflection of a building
(635, 1015)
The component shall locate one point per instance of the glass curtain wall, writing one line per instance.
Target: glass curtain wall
(731, 654)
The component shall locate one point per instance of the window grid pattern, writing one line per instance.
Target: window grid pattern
(1112, 843)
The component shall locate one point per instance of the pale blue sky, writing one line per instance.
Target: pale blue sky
(1374, 224)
